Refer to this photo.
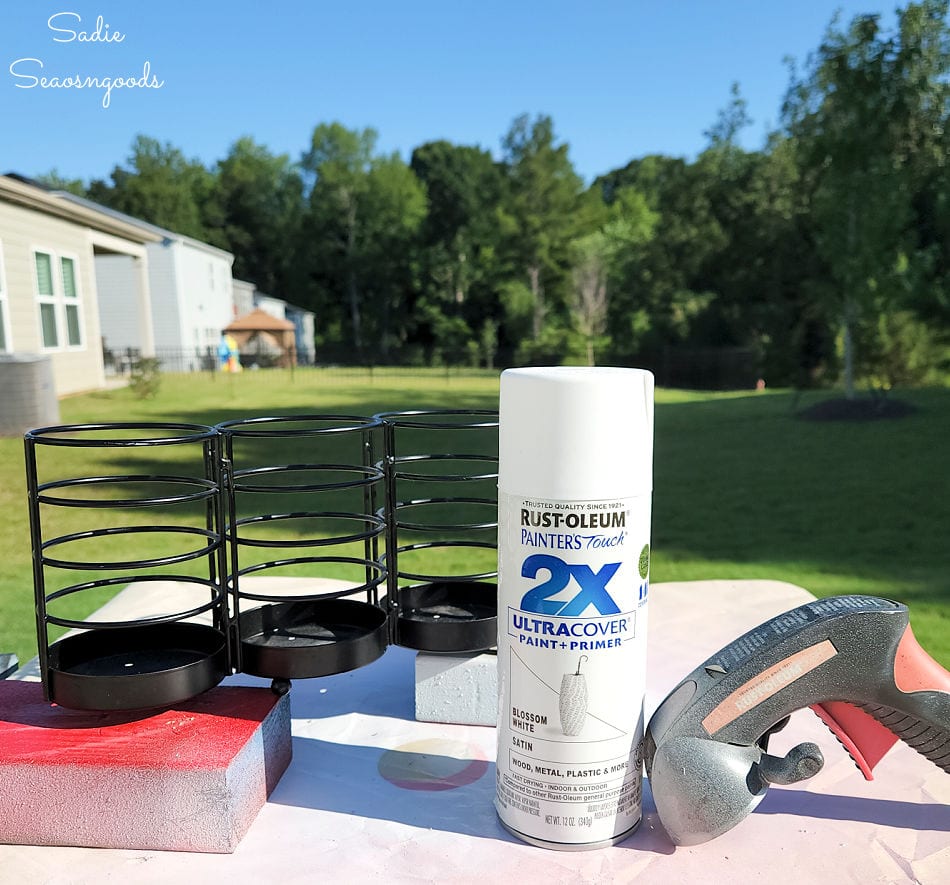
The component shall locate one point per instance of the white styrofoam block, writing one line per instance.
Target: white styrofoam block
(457, 688)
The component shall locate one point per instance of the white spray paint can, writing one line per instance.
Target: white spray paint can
(575, 479)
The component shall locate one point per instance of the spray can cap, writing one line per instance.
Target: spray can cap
(569, 433)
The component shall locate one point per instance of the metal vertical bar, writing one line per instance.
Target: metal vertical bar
(218, 564)
(229, 531)
(39, 579)
(389, 486)
(369, 497)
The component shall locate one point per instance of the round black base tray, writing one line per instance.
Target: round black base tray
(300, 640)
(137, 667)
(447, 616)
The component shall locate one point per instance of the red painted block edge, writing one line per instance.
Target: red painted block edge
(189, 778)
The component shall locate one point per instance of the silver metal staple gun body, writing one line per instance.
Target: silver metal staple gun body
(852, 659)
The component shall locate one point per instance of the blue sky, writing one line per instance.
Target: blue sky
(619, 79)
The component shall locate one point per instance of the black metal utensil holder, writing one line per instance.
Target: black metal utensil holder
(441, 470)
(166, 655)
(365, 501)
(328, 487)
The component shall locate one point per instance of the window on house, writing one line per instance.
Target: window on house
(4, 322)
(71, 302)
(46, 298)
(57, 293)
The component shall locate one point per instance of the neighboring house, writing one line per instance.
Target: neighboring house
(191, 297)
(49, 253)
(243, 295)
(276, 307)
(303, 334)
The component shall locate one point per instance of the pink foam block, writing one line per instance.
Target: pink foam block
(191, 778)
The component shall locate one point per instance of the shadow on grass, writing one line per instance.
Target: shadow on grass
(742, 482)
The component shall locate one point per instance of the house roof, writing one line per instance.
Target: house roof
(291, 309)
(259, 320)
(161, 232)
(32, 196)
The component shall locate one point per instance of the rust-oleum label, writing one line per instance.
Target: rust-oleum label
(573, 584)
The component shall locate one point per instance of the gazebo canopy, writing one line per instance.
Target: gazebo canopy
(264, 338)
(260, 321)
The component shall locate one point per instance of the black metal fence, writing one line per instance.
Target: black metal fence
(185, 359)
(196, 359)
(708, 368)
(697, 368)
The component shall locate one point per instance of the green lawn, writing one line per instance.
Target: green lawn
(742, 488)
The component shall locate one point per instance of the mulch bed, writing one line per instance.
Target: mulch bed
(858, 409)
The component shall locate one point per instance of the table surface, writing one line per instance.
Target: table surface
(338, 816)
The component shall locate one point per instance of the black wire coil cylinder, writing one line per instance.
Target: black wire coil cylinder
(441, 472)
(177, 646)
(291, 526)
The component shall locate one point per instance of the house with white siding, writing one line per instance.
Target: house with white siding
(304, 333)
(242, 293)
(192, 299)
(50, 248)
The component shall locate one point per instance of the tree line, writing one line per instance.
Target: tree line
(824, 255)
